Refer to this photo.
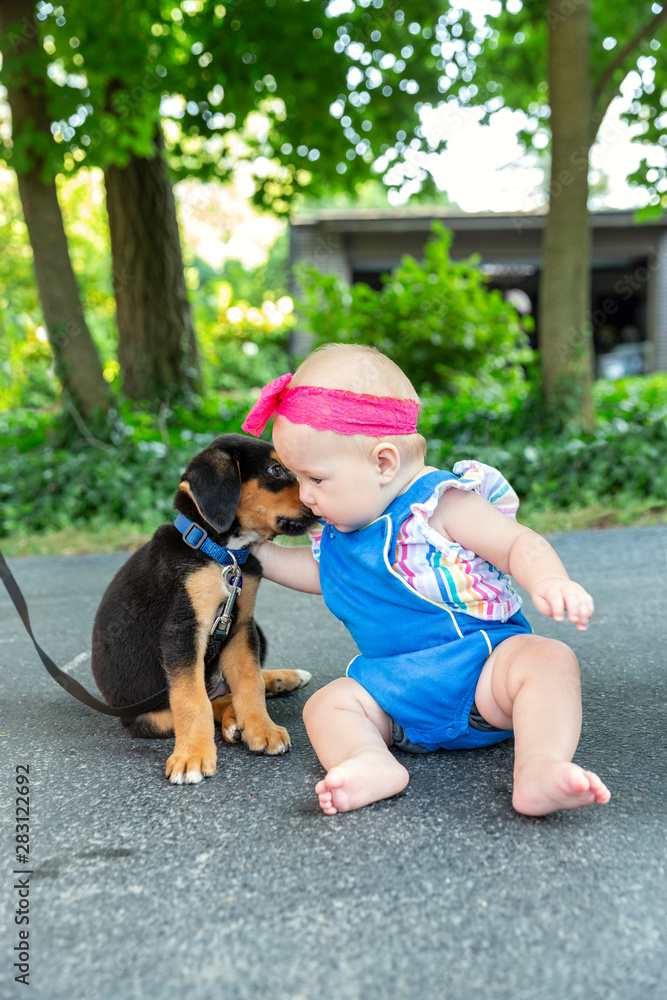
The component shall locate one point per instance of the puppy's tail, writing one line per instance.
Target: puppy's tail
(151, 726)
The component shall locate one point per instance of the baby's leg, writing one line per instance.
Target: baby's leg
(350, 734)
(531, 684)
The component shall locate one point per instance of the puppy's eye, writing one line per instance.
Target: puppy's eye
(278, 472)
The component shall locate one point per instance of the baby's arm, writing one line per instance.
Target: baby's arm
(290, 565)
(473, 522)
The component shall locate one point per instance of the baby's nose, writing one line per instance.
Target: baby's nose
(305, 495)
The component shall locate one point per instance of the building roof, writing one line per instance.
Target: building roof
(421, 217)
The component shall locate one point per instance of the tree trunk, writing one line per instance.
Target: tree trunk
(565, 285)
(76, 359)
(156, 343)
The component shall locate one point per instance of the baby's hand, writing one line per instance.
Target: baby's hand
(553, 596)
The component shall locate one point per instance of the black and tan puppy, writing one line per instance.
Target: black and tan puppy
(153, 626)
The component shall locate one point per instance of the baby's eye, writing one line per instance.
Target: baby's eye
(316, 481)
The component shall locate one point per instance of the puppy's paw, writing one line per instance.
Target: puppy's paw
(266, 737)
(190, 765)
(226, 716)
(231, 732)
(284, 681)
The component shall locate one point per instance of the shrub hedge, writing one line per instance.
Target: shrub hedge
(625, 456)
(46, 484)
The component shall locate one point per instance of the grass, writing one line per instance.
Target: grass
(593, 518)
(77, 541)
(125, 537)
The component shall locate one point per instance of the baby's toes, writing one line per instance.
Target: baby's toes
(327, 806)
(597, 787)
(578, 779)
(326, 798)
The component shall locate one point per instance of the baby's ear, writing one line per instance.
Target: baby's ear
(386, 460)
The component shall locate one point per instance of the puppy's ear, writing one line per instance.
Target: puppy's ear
(213, 483)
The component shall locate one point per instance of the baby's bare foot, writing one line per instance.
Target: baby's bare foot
(371, 775)
(542, 786)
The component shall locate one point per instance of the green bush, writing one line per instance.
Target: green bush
(622, 457)
(437, 320)
(47, 484)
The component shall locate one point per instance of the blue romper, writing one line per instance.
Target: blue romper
(420, 660)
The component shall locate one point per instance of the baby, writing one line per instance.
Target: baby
(416, 563)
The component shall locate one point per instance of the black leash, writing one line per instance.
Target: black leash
(71, 686)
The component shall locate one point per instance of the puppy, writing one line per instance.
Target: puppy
(153, 625)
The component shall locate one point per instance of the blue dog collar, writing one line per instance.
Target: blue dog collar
(197, 538)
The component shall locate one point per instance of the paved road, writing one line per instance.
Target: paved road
(240, 887)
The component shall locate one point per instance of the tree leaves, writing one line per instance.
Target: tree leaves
(625, 38)
(249, 80)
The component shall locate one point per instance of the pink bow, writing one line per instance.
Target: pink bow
(265, 406)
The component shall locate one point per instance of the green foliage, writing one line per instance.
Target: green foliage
(236, 356)
(26, 361)
(27, 376)
(24, 357)
(366, 194)
(248, 80)
(243, 317)
(252, 285)
(511, 71)
(242, 346)
(622, 458)
(222, 64)
(47, 484)
(437, 320)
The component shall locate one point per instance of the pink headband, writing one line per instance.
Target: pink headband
(332, 410)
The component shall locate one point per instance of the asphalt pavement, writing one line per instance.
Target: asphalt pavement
(240, 887)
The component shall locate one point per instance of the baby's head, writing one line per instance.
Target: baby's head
(360, 369)
(345, 424)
